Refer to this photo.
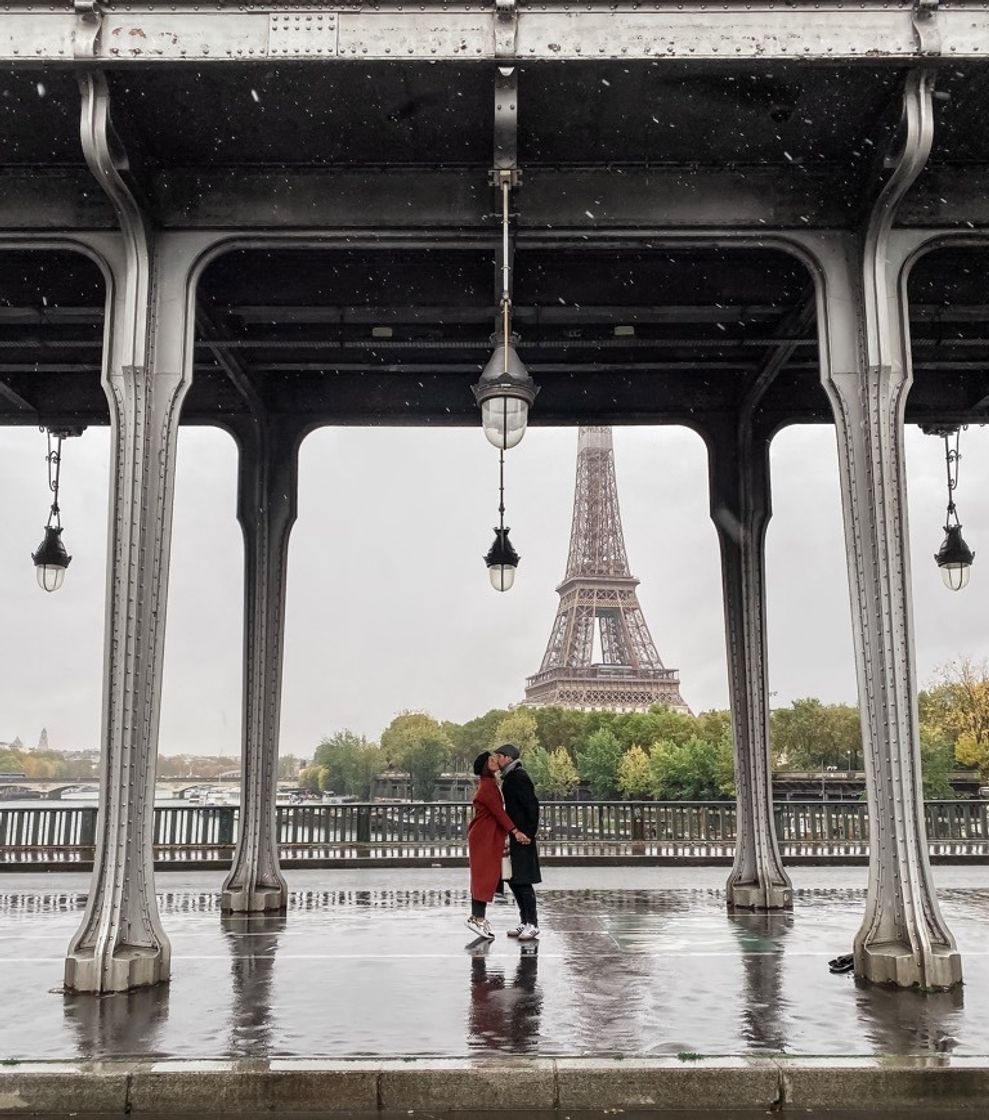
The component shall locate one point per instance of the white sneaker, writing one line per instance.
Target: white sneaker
(528, 933)
(480, 928)
(516, 931)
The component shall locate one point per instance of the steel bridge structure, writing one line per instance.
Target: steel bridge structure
(274, 216)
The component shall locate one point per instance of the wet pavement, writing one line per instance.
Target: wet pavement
(377, 963)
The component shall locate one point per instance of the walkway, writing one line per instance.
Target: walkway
(367, 1000)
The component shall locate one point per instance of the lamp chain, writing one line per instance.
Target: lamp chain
(501, 489)
(506, 297)
(54, 459)
(952, 459)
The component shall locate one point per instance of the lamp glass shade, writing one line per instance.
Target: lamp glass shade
(502, 560)
(502, 576)
(504, 420)
(50, 576)
(954, 558)
(51, 560)
(955, 576)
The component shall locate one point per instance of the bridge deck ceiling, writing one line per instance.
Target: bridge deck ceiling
(398, 335)
(388, 332)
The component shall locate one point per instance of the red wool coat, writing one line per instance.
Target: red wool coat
(486, 839)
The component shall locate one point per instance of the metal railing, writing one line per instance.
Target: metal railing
(36, 834)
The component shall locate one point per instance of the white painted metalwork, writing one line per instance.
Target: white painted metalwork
(825, 32)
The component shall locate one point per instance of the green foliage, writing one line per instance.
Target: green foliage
(415, 742)
(311, 778)
(598, 763)
(518, 727)
(562, 726)
(937, 760)
(537, 764)
(350, 765)
(476, 735)
(695, 770)
(634, 776)
(809, 735)
(562, 777)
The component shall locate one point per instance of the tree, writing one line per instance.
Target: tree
(937, 760)
(956, 709)
(598, 763)
(289, 767)
(562, 778)
(564, 726)
(350, 764)
(415, 743)
(809, 735)
(476, 735)
(696, 770)
(537, 765)
(310, 778)
(518, 727)
(634, 778)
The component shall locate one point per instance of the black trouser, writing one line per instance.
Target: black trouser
(525, 896)
(477, 909)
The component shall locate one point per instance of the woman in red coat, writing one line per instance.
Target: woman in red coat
(485, 842)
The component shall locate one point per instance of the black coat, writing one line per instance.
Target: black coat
(522, 805)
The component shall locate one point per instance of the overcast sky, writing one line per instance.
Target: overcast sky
(389, 605)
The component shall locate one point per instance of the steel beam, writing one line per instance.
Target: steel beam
(288, 32)
(121, 943)
(738, 456)
(266, 508)
(903, 938)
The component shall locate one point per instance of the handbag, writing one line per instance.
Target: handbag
(506, 866)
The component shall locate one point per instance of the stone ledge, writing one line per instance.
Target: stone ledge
(495, 1083)
(643, 1083)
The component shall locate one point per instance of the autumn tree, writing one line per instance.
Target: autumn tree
(634, 776)
(518, 727)
(956, 710)
(562, 778)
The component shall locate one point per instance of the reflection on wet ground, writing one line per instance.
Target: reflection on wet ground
(644, 962)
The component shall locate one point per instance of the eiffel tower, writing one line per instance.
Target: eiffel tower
(598, 599)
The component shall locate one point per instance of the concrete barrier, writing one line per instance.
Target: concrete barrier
(531, 1086)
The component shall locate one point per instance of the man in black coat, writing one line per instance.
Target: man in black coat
(522, 805)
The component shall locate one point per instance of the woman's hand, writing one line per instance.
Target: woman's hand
(521, 836)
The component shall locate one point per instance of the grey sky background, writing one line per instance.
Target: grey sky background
(389, 605)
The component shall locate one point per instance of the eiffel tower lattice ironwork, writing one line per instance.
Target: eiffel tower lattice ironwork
(598, 599)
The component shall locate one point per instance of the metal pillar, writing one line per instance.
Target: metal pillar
(903, 939)
(121, 944)
(738, 456)
(266, 509)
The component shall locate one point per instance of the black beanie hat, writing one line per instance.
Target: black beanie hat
(481, 762)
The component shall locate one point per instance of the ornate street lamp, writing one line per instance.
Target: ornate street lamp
(51, 558)
(501, 558)
(505, 391)
(954, 557)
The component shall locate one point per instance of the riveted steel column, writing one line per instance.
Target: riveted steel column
(738, 457)
(903, 939)
(121, 943)
(266, 509)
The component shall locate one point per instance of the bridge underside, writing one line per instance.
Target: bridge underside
(276, 218)
(650, 282)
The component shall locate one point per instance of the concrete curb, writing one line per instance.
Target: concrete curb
(496, 1083)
